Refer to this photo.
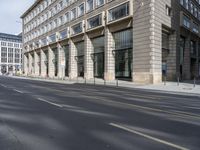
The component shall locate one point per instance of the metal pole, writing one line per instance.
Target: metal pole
(194, 82)
(94, 81)
(165, 78)
(117, 82)
(178, 81)
(77, 79)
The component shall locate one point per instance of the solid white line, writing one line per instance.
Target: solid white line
(18, 91)
(142, 107)
(148, 137)
(43, 100)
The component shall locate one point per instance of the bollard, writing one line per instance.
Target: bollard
(165, 78)
(94, 81)
(178, 81)
(117, 82)
(194, 82)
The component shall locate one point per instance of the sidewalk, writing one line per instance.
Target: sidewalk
(186, 88)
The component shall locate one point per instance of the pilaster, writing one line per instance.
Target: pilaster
(72, 60)
(88, 62)
(109, 56)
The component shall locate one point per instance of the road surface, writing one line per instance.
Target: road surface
(37, 115)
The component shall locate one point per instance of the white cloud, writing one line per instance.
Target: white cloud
(10, 12)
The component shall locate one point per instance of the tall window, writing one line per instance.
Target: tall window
(17, 56)
(3, 54)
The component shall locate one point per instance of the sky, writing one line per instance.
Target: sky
(10, 12)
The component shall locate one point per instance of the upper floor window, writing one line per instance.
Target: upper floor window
(81, 10)
(77, 28)
(99, 2)
(186, 21)
(90, 5)
(73, 14)
(67, 17)
(118, 12)
(95, 21)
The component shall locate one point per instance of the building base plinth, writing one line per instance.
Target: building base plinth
(147, 78)
(109, 76)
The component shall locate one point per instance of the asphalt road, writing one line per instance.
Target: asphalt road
(48, 116)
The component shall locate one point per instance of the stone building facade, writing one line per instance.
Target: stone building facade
(140, 40)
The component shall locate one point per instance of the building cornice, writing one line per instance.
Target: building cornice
(31, 8)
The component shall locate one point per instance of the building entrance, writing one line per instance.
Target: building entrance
(123, 63)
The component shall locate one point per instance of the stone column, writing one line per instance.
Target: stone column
(109, 73)
(42, 64)
(51, 72)
(30, 69)
(72, 60)
(25, 65)
(187, 60)
(61, 59)
(36, 65)
(88, 62)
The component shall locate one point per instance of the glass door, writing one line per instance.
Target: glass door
(99, 65)
(123, 63)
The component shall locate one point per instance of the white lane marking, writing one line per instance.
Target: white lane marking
(3, 85)
(18, 91)
(149, 137)
(43, 100)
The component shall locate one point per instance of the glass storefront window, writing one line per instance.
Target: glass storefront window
(123, 53)
(98, 56)
(46, 61)
(55, 61)
(80, 58)
(66, 51)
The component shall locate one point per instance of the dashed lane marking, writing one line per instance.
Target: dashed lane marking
(18, 91)
(43, 100)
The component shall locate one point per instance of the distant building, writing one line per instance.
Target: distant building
(10, 53)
